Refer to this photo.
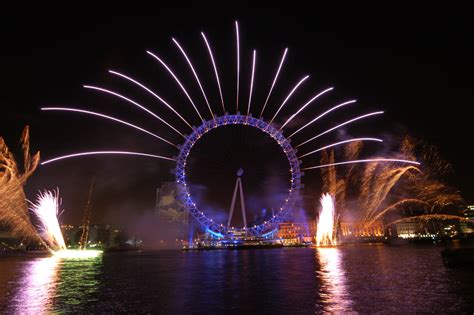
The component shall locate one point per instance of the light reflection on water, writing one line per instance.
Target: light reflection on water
(49, 283)
(36, 286)
(364, 279)
(332, 276)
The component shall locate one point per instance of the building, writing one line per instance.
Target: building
(467, 227)
(171, 213)
(361, 231)
(446, 229)
(408, 229)
(468, 213)
(296, 232)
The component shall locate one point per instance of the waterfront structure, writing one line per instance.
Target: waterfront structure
(99, 236)
(361, 231)
(238, 187)
(468, 213)
(207, 222)
(416, 229)
(292, 233)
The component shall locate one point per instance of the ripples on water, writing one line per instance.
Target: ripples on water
(364, 279)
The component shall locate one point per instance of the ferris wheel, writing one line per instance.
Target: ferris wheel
(239, 112)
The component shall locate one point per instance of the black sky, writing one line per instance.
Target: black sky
(414, 62)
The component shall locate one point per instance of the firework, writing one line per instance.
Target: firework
(136, 104)
(386, 191)
(339, 126)
(208, 103)
(195, 75)
(274, 81)
(322, 115)
(251, 81)
(339, 143)
(305, 105)
(325, 235)
(106, 152)
(215, 70)
(177, 81)
(152, 93)
(362, 161)
(46, 209)
(288, 97)
(13, 206)
(237, 39)
(68, 109)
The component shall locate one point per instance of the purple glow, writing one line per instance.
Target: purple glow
(136, 104)
(305, 105)
(152, 93)
(195, 74)
(66, 109)
(105, 152)
(238, 65)
(338, 126)
(251, 81)
(274, 81)
(322, 115)
(338, 143)
(215, 70)
(288, 97)
(362, 161)
(177, 81)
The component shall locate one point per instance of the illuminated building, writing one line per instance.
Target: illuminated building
(468, 227)
(415, 229)
(362, 229)
(407, 229)
(171, 212)
(294, 233)
(468, 213)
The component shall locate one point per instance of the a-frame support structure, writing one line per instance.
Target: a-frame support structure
(238, 186)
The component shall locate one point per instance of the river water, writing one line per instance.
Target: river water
(360, 279)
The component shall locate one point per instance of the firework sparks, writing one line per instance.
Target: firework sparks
(177, 81)
(288, 97)
(362, 161)
(136, 104)
(195, 74)
(46, 209)
(325, 229)
(329, 166)
(238, 65)
(68, 109)
(304, 106)
(339, 143)
(387, 191)
(106, 152)
(339, 126)
(251, 81)
(13, 206)
(274, 81)
(152, 93)
(215, 70)
(322, 115)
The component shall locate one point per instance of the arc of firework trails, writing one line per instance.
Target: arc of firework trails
(237, 96)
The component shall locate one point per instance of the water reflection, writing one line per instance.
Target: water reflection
(79, 283)
(334, 296)
(36, 286)
(50, 283)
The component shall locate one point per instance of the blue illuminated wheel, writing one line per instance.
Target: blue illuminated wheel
(180, 172)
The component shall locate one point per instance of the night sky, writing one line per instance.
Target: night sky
(413, 62)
